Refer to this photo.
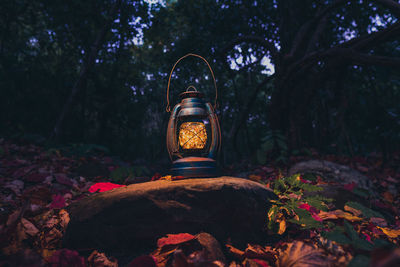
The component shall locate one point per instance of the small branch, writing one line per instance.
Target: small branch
(391, 5)
(247, 108)
(352, 45)
(270, 46)
(316, 36)
(362, 58)
(305, 29)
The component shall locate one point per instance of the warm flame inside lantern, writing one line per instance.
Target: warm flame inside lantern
(193, 134)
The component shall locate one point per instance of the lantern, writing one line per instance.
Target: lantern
(193, 134)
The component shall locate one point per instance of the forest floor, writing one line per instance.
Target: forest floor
(38, 184)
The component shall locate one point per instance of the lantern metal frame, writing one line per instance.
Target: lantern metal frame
(192, 108)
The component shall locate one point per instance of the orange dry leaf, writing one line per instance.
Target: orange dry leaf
(282, 226)
(392, 233)
(388, 197)
(338, 214)
(356, 212)
(255, 178)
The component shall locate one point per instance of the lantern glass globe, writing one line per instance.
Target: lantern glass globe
(192, 135)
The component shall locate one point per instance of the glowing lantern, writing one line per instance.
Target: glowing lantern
(193, 134)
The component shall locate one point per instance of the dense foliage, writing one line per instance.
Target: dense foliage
(291, 74)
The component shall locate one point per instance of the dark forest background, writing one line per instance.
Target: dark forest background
(293, 76)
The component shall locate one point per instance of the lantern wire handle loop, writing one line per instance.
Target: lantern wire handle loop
(168, 108)
(191, 87)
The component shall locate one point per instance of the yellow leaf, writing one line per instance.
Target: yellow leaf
(167, 178)
(271, 212)
(335, 214)
(390, 232)
(356, 212)
(282, 226)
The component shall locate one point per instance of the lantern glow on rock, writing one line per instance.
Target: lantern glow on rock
(193, 134)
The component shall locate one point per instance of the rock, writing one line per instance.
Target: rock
(332, 171)
(134, 217)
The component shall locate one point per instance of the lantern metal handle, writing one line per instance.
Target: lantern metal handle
(168, 108)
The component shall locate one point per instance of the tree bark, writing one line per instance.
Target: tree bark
(84, 72)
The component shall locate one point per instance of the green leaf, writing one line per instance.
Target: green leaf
(310, 187)
(359, 261)
(361, 192)
(337, 236)
(366, 212)
(356, 241)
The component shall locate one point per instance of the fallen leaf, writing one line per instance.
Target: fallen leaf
(36, 177)
(29, 227)
(174, 239)
(66, 258)
(388, 197)
(256, 178)
(143, 261)
(64, 218)
(335, 214)
(298, 254)
(103, 187)
(237, 252)
(16, 186)
(378, 221)
(97, 259)
(392, 233)
(356, 212)
(62, 178)
(282, 226)
(350, 186)
(58, 202)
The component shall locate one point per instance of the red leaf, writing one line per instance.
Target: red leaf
(316, 217)
(261, 263)
(102, 187)
(350, 186)
(65, 258)
(174, 239)
(58, 202)
(143, 261)
(156, 177)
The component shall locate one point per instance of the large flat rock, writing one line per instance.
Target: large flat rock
(134, 217)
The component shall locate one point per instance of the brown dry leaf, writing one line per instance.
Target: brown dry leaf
(300, 254)
(29, 227)
(378, 221)
(335, 214)
(392, 233)
(341, 256)
(356, 212)
(388, 197)
(64, 218)
(255, 178)
(97, 259)
(237, 252)
(260, 252)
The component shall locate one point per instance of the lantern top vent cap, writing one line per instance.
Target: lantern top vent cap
(191, 91)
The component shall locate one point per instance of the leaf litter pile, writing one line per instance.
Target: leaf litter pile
(307, 226)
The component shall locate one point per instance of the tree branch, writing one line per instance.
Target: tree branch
(362, 58)
(305, 29)
(391, 5)
(359, 43)
(84, 71)
(270, 46)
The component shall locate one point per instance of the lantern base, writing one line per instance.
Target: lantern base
(194, 167)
